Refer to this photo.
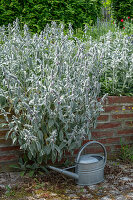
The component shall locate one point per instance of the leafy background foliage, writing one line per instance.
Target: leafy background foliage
(117, 55)
(122, 9)
(37, 13)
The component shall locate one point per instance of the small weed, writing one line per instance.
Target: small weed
(126, 152)
(39, 185)
(9, 192)
(82, 189)
(29, 169)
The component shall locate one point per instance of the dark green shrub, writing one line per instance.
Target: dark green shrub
(37, 13)
(122, 9)
(9, 10)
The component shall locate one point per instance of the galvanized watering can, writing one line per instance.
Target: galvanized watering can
(89, 168)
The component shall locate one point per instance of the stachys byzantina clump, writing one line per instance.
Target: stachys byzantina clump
(51, 83)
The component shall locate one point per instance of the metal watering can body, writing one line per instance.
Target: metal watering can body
(89, 168)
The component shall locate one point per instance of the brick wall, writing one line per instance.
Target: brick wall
(114, 123)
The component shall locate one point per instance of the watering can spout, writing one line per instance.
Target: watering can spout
(65, 172)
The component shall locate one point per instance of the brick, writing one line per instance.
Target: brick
(117, 146)
(103, 117)
(11, 148)
(108, 149)
(96, 150)
(125, 131)
(112, 108)
(8, 158)
(116, 99)
(108, 125)
(97, 147)
(121, 116)
(85, 141)
(129, 123)
(129, 107)
(5, 142)
(3, 133)
(115, 108)
(128, 139)
(98, 134)
(110, 140)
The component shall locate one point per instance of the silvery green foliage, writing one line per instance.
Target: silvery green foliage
(118, 62)
(51, 84)
(116, 52)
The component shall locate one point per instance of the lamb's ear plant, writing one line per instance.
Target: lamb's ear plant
(51, 84)
(117, 56)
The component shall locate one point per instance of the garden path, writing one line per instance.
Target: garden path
(118, 185)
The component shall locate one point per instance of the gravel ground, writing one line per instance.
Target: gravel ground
(118, 185)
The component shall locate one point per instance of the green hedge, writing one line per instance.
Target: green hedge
(37, 13)
(121, 9)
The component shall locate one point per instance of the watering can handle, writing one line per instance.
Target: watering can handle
(89, 143)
